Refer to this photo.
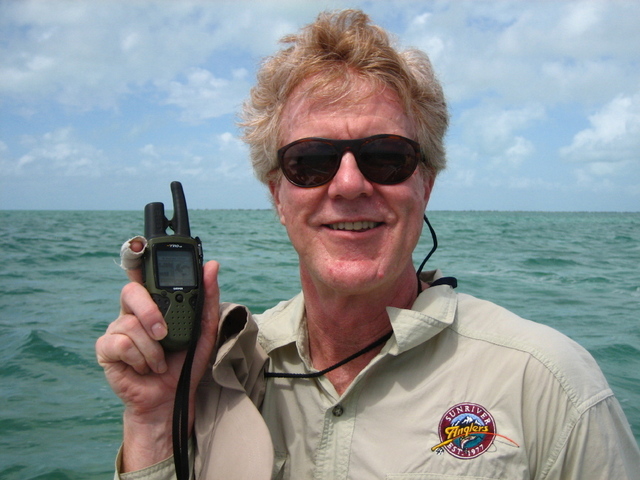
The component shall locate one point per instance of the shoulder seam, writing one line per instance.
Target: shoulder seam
(561, 444)
(581, 405)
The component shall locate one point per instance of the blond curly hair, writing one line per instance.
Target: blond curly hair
(331, 54)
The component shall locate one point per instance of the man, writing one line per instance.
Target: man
(372, 372)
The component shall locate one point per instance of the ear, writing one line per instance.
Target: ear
(429, 179)
(274, 188)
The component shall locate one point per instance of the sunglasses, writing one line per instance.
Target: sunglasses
(385, 159)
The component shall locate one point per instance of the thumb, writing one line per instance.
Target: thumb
(210, 312)
(210, 316)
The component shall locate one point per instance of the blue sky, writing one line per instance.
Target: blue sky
(104, 103)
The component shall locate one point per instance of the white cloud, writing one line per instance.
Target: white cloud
(220, 158)
(518, 75)
(518, 151)
(149, 150)
(580, 18)
(58, 153)
(88, 54)
(614, 134)
(465, 178)
(61, 153)
(204, 96)
(556, 52)
(232, 158)
(495, 133)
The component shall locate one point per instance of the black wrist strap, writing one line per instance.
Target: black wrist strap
(181, 404)
(181, 418)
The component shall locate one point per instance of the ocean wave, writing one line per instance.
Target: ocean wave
(551, 262)
(52, 349)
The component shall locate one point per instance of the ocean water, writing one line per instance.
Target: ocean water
(577, 272)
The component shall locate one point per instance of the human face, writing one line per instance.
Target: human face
(352, 236)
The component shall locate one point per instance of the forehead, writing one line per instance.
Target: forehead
(356, 110)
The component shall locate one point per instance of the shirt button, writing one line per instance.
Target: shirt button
(337, 411)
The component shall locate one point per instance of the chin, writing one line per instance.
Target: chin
(353, 277)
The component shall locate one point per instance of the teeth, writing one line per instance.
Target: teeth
(353, 225)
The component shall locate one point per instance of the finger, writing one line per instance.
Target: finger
(131, 254)
(136, 245)
(135, 300)
(128, 342)
(210, 317)
(135, 275)
(211, 292)
(116, 349)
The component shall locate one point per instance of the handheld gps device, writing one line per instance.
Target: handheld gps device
(172, 270)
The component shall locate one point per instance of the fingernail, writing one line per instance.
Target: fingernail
(159, 331)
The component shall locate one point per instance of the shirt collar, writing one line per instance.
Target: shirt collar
(433, 311)
(282, 324)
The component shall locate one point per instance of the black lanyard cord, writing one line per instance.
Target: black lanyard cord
(434, 239)
(445, 280)
(366, 349)
(181, 418)
(181, 405)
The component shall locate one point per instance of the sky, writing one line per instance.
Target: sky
(104, 103)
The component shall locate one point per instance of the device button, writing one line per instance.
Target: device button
(162, 301)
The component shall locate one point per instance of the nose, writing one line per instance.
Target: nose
(349, 182)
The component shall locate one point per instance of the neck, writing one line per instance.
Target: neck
(340, 325)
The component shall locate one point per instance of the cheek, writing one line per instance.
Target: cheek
(416, 197)
(289, 208)
(292, 203)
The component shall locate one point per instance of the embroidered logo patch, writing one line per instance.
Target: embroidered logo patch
(466, 431)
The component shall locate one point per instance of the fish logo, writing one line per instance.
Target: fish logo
(466, 431)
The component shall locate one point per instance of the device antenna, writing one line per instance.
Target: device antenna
(180, 221)
(155, 223)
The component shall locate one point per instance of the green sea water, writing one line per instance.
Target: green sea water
(577, 272)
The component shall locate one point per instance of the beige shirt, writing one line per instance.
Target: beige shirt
(463, 390)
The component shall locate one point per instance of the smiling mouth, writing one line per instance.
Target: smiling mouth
(354, 226)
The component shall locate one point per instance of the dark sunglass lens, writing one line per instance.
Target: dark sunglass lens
(388, 160)
(310, 163)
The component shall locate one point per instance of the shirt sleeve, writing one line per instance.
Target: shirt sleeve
(233, 383)
(164, 470)
(600, 446)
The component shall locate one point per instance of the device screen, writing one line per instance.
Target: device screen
(175, 268)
